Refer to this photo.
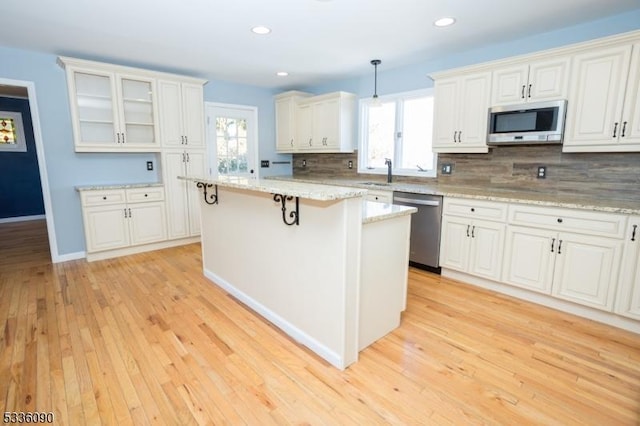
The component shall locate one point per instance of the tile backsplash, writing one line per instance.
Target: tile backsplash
(610, 175)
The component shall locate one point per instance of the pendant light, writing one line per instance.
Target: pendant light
(375, 63)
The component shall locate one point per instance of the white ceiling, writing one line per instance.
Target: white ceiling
(314, 40)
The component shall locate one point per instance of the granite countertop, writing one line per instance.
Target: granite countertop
(583, 202)
(310, 190)
(373, 211)
(101, 187)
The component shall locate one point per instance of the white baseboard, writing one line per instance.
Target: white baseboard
(108, 254)
(22, 218)
(298, 335)
(69, 256)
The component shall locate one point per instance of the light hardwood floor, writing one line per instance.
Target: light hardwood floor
(146, 339)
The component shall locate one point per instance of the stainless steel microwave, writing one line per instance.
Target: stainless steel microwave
(530, 123)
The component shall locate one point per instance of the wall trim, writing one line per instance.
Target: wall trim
(22, 218)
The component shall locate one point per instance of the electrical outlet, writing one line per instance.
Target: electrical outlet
(350, 164)
(149, 165)
(264, 163)
(304, 163)
(542, 172)
(447, 169)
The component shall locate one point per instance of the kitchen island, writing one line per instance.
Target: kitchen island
(319, 262)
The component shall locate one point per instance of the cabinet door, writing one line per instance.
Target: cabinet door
(530, 258)
(173, 165)
(285, 116)
(170, 111)
(548, 79)
(630, 131)
(138, 111)
(628, 299)
(193, 115)
(445, 114)
(304, 117)
(487, 247)
(587, 270)
(196, 166)
(326, 124)
(596, 97)
(147, 222)
(509, 85)
(474, 110)
(93, 108)
(106, 227)
(454, 243)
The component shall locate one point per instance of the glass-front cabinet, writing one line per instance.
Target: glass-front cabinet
(112, 111)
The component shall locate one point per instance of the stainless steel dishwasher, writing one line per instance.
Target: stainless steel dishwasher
(424, 250)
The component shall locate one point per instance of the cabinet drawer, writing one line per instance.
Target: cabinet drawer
(568, 220)
(380, 196)
(141, 195)
(475, 209)
(103, 197)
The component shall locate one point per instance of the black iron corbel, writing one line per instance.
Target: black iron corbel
(213, 197)
(293, 214)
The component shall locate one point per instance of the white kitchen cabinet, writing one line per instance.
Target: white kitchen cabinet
(286, 105)
(326, 123)
(569, 254)
(469, 243)
(113, 109)
(628, 298)
(541, 80)
(120, 218)
(183, 197)
(379, 196)
(461, 105)
(181, 113)
(603, 113)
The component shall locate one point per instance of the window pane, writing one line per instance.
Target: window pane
(8, 131)
(417, 128)
(231, 145)
(381, 133)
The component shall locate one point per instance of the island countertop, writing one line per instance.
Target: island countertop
(312, 191)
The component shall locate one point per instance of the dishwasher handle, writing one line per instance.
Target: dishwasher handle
(417, 202)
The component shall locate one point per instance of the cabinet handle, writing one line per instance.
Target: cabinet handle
(633, 234)
(123, 140)
(473, 231)
(125, 213)
(473, 209)
(553, 242)
(182, 140)
(186, 139)
(104, 198)
(529, 92)
(291, 141)
(523, 87)
(468, 226)
(624, 127)
(459, 136)
(118, 137)
(184, 159)
(559, 246)
(146, 195)
(455, 133)
(129, 212)
(615, 129)
(188, 160)
(559, 220)
(310, 139)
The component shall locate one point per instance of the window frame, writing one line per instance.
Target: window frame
(21, 145)
(363, 107)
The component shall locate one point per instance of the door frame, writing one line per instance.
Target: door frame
(210, 140)
(42, 165)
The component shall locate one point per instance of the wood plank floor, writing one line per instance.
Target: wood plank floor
(146, 339)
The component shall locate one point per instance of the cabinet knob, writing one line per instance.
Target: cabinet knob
(104, 198)
(473, 209)
(559, 220)
(146, 195)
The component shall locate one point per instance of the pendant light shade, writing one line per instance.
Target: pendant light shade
(375, 63)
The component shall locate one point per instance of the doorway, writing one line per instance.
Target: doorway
(232, 140)
(18, 88)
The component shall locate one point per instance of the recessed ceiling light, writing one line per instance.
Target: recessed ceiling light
(444, 22)
(282, 73)
(260, 29)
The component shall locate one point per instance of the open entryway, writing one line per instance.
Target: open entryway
(232, 140)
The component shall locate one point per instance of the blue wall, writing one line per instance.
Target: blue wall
(67, 169)
(20, 191)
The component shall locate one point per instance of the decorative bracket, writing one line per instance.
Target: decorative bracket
(211, 198)
(293, 214)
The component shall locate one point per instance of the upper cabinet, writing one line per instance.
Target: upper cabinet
(286, 109)
(461, 103)
(324, 123)
(540, 80)
(181, 114)
(603, 112)
(120, 109)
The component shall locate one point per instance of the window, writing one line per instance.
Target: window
(399, 128)
(12, 132)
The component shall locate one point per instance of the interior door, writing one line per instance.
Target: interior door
(232, 140)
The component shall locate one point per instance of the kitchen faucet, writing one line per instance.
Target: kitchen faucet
(387, 162)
